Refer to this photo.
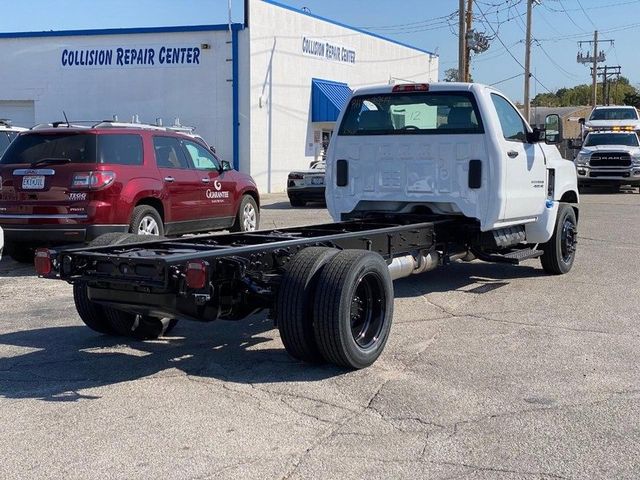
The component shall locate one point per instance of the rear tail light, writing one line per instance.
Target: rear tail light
(411, 87)
(92, 180)
(197, 274)
(44, 266)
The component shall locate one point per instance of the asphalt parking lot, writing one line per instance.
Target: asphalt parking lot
(491, 371)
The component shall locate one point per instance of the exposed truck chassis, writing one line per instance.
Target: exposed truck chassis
(239, 274)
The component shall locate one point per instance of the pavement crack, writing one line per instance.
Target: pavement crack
(527, 411)
(537, 325)
(332, 432)
(500, 470)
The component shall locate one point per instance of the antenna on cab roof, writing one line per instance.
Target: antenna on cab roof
(66, 119)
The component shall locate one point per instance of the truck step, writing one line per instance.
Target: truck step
(513, 257)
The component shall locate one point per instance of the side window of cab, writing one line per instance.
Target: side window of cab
(201, 158)
(513, 127)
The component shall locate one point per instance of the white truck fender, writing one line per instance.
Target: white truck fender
(541, 230)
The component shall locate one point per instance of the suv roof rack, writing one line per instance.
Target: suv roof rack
(136, 123)
(43, 126)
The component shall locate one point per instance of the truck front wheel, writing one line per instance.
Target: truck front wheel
(353, 308)
(560, 250)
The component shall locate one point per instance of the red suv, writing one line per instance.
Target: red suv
(69, 184)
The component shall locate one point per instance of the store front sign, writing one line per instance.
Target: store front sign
(128, 57)
(327, 51)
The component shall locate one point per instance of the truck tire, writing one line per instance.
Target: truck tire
(107, 320)
(20, 253)
(294, 303)
(145, 220)
(353, 308)
(140, 327)
(296, 201)
(92, 314)
(248, 216)
(560, 250)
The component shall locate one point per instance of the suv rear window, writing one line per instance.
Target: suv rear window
(120, 149)
(412, 113)
(5, 140)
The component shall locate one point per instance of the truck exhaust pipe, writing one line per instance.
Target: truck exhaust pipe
(409, 265)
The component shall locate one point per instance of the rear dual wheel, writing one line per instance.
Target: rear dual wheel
(110, 321)
(336, 306)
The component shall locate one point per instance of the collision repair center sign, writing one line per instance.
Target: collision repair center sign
(149, 56)
(327, 51)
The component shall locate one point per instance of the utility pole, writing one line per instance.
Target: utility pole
(527, 62)
(467, 50)
(597, 57)
(461, 42)
(607, 72)
(594, 93)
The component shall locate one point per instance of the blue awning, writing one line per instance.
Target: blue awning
(327, 99)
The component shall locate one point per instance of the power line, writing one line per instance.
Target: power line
(506, 79)
(586, 14)
(507, 49)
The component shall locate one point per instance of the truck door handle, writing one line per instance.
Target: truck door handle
(206, 180)
(512, 154)
(169, 179)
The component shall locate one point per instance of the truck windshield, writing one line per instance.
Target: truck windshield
(627, 139)
(614, 114)
(412, 113)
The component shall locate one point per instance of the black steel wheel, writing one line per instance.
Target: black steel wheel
(353, 308)
(560, 251)
(294, 303)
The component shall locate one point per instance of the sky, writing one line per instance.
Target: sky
(558, 25)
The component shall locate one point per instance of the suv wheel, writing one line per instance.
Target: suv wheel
(248, 216)
(146, 221)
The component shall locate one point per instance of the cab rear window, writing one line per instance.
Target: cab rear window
(119, 149)
(412, 113)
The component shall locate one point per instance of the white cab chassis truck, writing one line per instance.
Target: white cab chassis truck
(418, 176)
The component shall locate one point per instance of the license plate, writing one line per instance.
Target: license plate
(33, 182)
(317, 181)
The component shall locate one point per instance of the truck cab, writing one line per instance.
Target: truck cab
(609, 157)
(450, 149)
(609, 117)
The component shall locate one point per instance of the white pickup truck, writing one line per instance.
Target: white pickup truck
(449, 149)
(417, 176)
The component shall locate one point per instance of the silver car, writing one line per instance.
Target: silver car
(306, 185)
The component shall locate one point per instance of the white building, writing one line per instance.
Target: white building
(264, 93)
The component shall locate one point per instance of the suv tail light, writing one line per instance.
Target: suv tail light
(197, 274)
(92, 180)
(411, 87)
(43, 261)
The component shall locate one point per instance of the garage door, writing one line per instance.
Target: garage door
(20, 112)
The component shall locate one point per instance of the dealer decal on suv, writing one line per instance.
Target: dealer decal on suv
(217, 193)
